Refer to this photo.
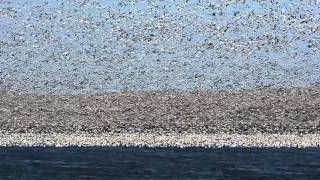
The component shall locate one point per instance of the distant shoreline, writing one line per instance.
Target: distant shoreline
(154, 140)
(271, 115)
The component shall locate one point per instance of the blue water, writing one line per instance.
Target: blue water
(158, 163)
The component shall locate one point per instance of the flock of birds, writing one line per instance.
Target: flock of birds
(89, 45)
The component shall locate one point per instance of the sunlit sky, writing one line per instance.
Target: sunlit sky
(92, 46)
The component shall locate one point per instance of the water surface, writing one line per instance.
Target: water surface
(159, 163)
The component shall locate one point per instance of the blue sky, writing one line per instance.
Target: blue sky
(91, 46)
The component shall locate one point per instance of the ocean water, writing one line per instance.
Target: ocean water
(158, 163)
(87, 46)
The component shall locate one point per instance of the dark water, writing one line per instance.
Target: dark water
(158, 163)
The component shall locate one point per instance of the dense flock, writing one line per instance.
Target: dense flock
(85, 46)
